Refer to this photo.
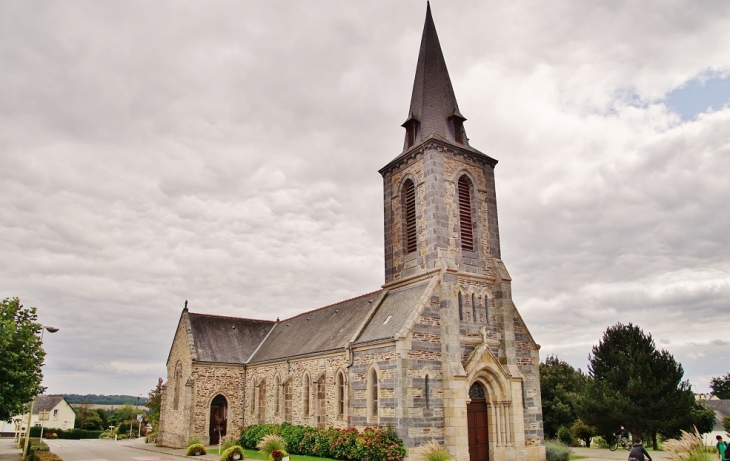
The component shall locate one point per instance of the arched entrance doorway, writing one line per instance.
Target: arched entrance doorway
(218, 419)
(478, 424)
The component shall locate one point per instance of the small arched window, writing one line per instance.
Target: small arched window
(473, 308)
(340, 394)
(408, 197)
(466, 230)
(372, 394)
(461, 306)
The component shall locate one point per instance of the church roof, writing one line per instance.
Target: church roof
(379, 315)
(221, 339)
(328, 328)
(433, 100)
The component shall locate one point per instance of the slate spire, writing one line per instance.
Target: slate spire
(434, 110)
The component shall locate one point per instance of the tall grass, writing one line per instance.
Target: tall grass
(430, 451)
(270, 443)
(689, 447)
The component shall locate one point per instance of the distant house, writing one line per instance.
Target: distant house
(60, 414)
(722, 409)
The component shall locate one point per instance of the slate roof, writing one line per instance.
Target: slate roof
(392, 313)
(433, 100)
(221, 339)
(46, 403)
(722, 406)
(379, 315)
(328, 328)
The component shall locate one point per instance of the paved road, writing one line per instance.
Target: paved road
(104, 450)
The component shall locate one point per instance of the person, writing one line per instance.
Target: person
(721, 448)
(623, 436)
(638, 452)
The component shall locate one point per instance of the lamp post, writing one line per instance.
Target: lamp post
(32, 402)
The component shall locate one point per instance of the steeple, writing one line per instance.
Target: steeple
(433, 110)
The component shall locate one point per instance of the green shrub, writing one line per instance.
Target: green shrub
(227, 454)
(600, 441)
(565, 436)
(251, 435)
(46, 456)
(379, 443)
(726, 423)
(556, 451)
(195, 449)
(583, 431)
(292, 435)
(36, 446)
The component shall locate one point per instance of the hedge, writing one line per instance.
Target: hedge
(74, 434)
(46, 456)
(377, 443)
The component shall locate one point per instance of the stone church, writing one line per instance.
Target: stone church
(438, 352)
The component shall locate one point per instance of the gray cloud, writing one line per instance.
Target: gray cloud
(227, 153)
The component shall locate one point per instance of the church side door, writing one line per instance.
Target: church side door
(218, 421)
(478, 424)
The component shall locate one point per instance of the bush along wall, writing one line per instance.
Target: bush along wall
(377, 443)
(74, 434)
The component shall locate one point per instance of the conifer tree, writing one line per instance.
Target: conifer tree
(635, 385)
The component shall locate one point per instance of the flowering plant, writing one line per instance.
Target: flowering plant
(276, 455)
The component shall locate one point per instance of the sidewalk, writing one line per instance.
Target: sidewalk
(139, 444)
(9, 451)
(601, 454)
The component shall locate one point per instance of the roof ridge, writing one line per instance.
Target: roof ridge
(333, 304)
(230, 317)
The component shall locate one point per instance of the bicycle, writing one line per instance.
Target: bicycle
(620, 441)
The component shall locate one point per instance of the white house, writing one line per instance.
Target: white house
(59, 412)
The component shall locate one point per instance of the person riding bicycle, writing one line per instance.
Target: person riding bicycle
(623, 434)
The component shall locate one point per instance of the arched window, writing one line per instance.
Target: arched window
(473, 308)
(340, 394)
(427, 392)
(305, 396)
(277, 386)
(262, 402)
(178, 385)
(466, 230)
(253, 398)
(287, 402)
(408, 197)
(461, 306)
(372, 387)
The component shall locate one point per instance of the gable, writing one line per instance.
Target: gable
(221, 339)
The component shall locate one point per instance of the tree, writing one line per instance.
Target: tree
(721, 386)
(89, 419)
(154, 404)
(560, 387)
(21, 357)
(635, 385)
(124, 413)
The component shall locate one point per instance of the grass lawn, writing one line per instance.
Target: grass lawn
(572, 457)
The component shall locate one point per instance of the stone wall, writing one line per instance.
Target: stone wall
(210, 380)
(293, 372)
(175, 422)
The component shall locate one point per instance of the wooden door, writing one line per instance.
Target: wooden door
(218, 419)
(478, 425)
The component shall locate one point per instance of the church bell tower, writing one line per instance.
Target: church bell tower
(439, 192)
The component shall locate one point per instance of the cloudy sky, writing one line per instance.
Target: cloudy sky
(226, 152)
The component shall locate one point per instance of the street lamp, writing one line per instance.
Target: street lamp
(30, 410)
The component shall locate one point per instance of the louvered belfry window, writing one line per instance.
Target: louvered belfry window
(409, 215)
(465, 221)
